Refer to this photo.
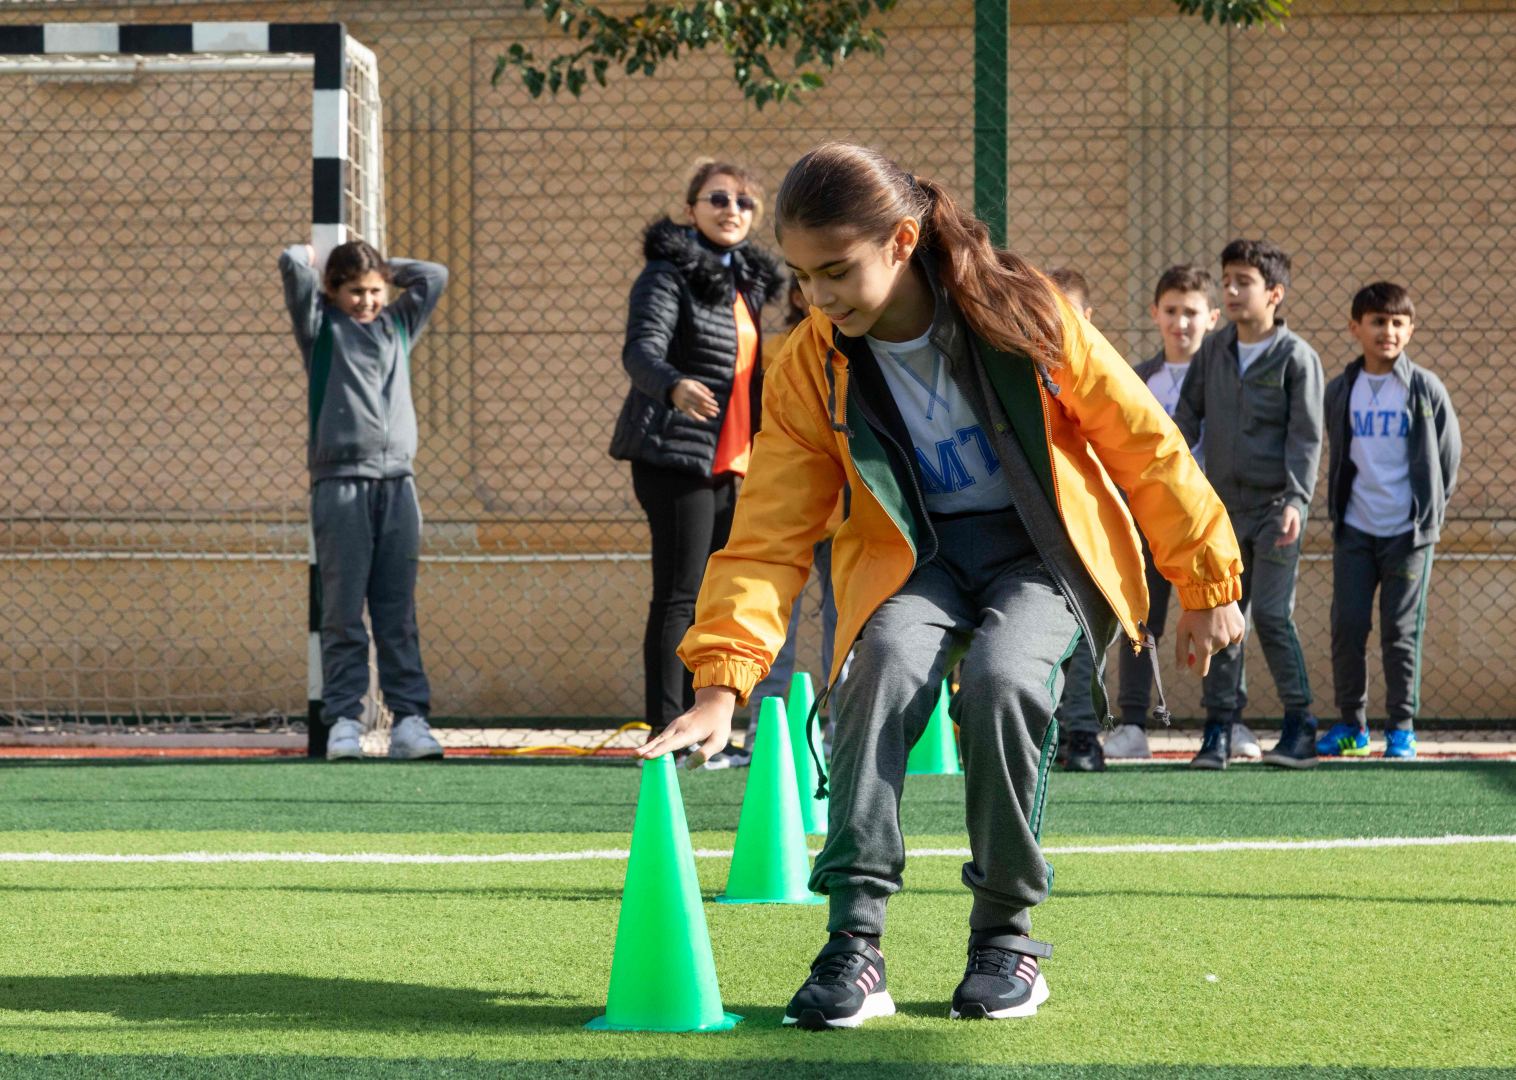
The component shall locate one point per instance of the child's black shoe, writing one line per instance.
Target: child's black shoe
(1296, 748)
(1002, 979)
(845, 988)
(1215, 745)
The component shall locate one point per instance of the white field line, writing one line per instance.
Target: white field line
(614, 854)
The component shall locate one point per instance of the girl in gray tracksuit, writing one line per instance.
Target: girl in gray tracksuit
(364, 512)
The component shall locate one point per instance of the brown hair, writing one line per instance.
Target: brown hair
(706, 168)
(1186, 278)
(352, 260)
(1003, 298)
(1070, 281)
(1383, 298)
(1268, 259)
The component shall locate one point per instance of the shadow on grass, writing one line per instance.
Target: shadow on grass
(482, 892)
(251, 1067)
(271, 1000)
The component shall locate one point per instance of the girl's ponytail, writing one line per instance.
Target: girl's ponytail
(1004, 299)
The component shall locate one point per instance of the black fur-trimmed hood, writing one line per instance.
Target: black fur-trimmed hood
(710, 282)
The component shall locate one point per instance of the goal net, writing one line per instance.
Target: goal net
(153, 507)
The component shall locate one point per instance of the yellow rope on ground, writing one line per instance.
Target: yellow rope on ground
(565, 748)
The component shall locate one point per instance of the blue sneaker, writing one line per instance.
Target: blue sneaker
(1400, 744)
(1344, 740)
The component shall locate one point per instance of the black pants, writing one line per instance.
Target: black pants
(1401, 572)
(1135, 699)
(690, 518)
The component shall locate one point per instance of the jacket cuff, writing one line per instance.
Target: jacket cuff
(741, 675)
(1298, 503)
(1205, 595)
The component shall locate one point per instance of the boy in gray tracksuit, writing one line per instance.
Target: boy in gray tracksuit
(1256, 387)
(1395, 447)
(364, 512)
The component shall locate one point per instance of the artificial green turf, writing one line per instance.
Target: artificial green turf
(1329, 964)
(493, 797)
(504, 963)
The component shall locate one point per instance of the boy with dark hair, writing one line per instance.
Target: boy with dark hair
(1393, 461)
(1184, 309)
(1257, 386)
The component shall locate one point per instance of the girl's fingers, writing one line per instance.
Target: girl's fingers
(665, 742)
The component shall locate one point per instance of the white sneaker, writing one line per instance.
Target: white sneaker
(345, 741)
(1245, 744)
(1127, 741)
(411, 739)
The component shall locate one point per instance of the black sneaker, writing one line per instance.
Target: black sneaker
(1296, 748)
(846, 988)
(1215, 745)
(1002, 979)
(1084, 753)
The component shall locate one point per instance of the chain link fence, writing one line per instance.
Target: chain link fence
(152, 483)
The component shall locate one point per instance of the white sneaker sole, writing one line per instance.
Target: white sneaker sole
(1026, 1008)
(345, 753)
(875, 1005)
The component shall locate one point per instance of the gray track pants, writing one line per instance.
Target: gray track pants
(1268, 587)
(1401, 572)
(985, 598)
(368, 540)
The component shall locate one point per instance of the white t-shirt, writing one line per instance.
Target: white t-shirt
(1165, 384)
(1246, 354)
(1380, 502)
(959, 469)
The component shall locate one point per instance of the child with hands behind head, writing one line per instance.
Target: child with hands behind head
(982, 426)
(364, 513)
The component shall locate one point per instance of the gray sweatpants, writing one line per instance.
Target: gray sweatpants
(987, 599)
(368, 540)
(1401, 572)
(1268, 588)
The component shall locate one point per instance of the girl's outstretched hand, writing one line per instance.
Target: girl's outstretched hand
(706, 728)
(1202, 634)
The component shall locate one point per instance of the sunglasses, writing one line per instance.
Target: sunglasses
(721, 200)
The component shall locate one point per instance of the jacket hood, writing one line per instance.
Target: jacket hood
(665, 240)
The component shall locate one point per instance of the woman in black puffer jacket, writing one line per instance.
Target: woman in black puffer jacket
(692, 348)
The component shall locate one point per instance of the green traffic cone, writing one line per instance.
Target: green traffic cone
(663, 977)
(802, 697)
(936, 752)
(770, 863)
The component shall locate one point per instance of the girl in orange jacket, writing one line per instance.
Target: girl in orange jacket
(982, 427)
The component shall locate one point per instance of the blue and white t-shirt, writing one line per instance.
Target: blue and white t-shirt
(1380, 502)
(959, 469)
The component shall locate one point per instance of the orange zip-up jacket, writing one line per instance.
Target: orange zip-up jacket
(1102, 429)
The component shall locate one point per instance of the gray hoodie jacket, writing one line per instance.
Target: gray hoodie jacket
(1262, 429)
(362, 421)
(1435, 446)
